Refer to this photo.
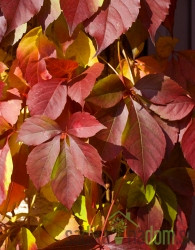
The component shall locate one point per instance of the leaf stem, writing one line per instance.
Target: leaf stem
(111, 206)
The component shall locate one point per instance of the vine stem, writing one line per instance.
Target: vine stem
(111, 206)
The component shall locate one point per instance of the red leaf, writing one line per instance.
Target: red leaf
(3, 27)
(38, 129)
(61, 68)
(6, 168)
(150, 216)
(10, 110)
(81, 86)
(83, 125)
(175, 110)
(153, 13)
(2, 84)
(181, 226)
(132, 243)
(77, 11)
(112, 21)
(47, 98)
(108, 142)
(169, 21)
(188, 145)
(41, 161)
(144, 142)
(67, 180)
(80, 242)
(171, 132)
(159, 89)
(76, 160)
(181, 180)
(15, 195)
(19, 11)
(86, 159)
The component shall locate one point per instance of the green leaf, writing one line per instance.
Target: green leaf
(79, 208)
(107, 92)
(168, 201)
(140, 195)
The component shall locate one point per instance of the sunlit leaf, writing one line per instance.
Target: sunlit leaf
(82, 50)
(10, 110)
(38, 129)
(80, 87)
(47, 98)
(6, 167)
(78, 11)
(41, 161)
(34, 47)
(153, 13)
(83, 125)
(27, 240)
(179, 108)
(112, 21)
(19, 12)
(159, 89)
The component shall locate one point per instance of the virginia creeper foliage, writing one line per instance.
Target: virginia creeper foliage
(92, 129)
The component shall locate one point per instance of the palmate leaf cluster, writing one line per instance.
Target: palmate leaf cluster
(90, 128)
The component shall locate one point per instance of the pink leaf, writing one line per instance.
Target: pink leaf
(83, 125)
(153, 13)
(188, 145)
(18, 12)
(47, 98)
(81, 86)
(144, 142)
(175, 110)
(10, 110)
(38, 129)
(112, 21)
(77, 11)
(3, 27)
(41, 161)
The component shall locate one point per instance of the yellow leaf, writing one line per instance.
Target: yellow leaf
(82, 50)
(27, 239)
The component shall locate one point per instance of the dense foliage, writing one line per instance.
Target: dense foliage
(97, 139)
